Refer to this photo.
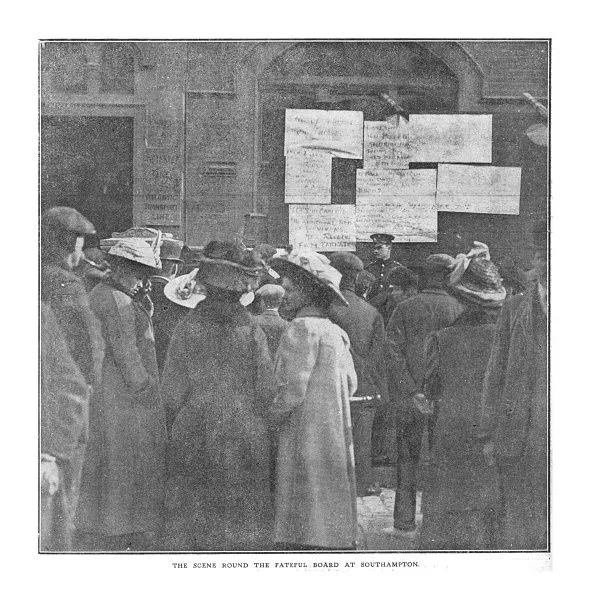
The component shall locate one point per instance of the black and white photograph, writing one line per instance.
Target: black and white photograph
(294, 296)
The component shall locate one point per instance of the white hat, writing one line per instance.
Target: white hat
(138, 251)
(314, 267)
(185, 290)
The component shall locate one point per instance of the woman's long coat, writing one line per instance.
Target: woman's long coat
(124, 471)
(218, 386)
(460, 493)
(315, 492)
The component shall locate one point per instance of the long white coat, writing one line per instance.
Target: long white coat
(316, 503)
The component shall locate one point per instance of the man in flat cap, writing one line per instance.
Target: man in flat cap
(365, 328)
(411, 323)
(63, 232)
(514, 419)
(166, 314)
(380, 268)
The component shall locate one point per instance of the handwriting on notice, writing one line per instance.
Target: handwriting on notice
(479, 189)
(308, 176)
(389, 183)
(322, 227)
(450, 138)
(409, 218)
(338, 133)
(386, 144)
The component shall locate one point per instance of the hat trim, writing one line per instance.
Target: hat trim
(226, 263)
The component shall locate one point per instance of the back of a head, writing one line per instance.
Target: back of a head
(271, 295)
(403, 278)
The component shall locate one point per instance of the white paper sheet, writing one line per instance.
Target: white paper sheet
(322, 227)
(451, 138)
(308, 176)
(386, 144)
(479, 189)
(387, 183)
(338, 133)
(409, 218)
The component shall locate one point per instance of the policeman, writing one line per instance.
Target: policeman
(380, 268)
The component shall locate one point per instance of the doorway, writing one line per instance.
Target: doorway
(87, 163)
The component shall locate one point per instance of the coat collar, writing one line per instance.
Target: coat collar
(311, 311)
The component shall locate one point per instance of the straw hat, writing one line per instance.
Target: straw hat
(481, 283)
(313, 267)
(138, 251)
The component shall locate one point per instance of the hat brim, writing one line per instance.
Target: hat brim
(229, 275)
(122, 256)
(291, 270)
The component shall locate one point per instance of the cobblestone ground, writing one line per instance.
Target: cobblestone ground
(374, 515)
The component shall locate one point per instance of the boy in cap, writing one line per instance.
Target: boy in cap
(365, 328)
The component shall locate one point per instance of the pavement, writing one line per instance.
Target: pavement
(375, 515)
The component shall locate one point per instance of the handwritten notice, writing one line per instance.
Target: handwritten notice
(450, 138)
(308, 176)
(386, 144)
(479, 189)
(409, 218)
(377, 182)
(338, 133)
(322, 227)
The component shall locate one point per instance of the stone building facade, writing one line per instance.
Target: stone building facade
(187, 136)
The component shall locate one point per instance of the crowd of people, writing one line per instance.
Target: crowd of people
(240, 403)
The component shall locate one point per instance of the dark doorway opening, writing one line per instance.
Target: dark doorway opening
(87, 163)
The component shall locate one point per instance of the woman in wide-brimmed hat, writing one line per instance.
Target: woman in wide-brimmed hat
(315, 491)
(218, 388)
(124, 471)
(460, 496)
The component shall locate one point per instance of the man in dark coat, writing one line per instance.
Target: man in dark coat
(380, 268)
(166, 314)
(63, 232)
(365, 328)
(411, 323)
(64, 402)
(402, 284)
(514, 420)
(460, 492)
(218, 384)
(269, 320)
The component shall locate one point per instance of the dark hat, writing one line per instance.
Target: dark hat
(540, 234)
(346, 262)
(229, 266)
(481, 283)
(266, 251)
(171, 250)
(382, 238)
(439, 262)
(313, 268)
(66, 219)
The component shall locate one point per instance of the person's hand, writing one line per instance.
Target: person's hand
(49, 476)
(423, 405)
(489, 453)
